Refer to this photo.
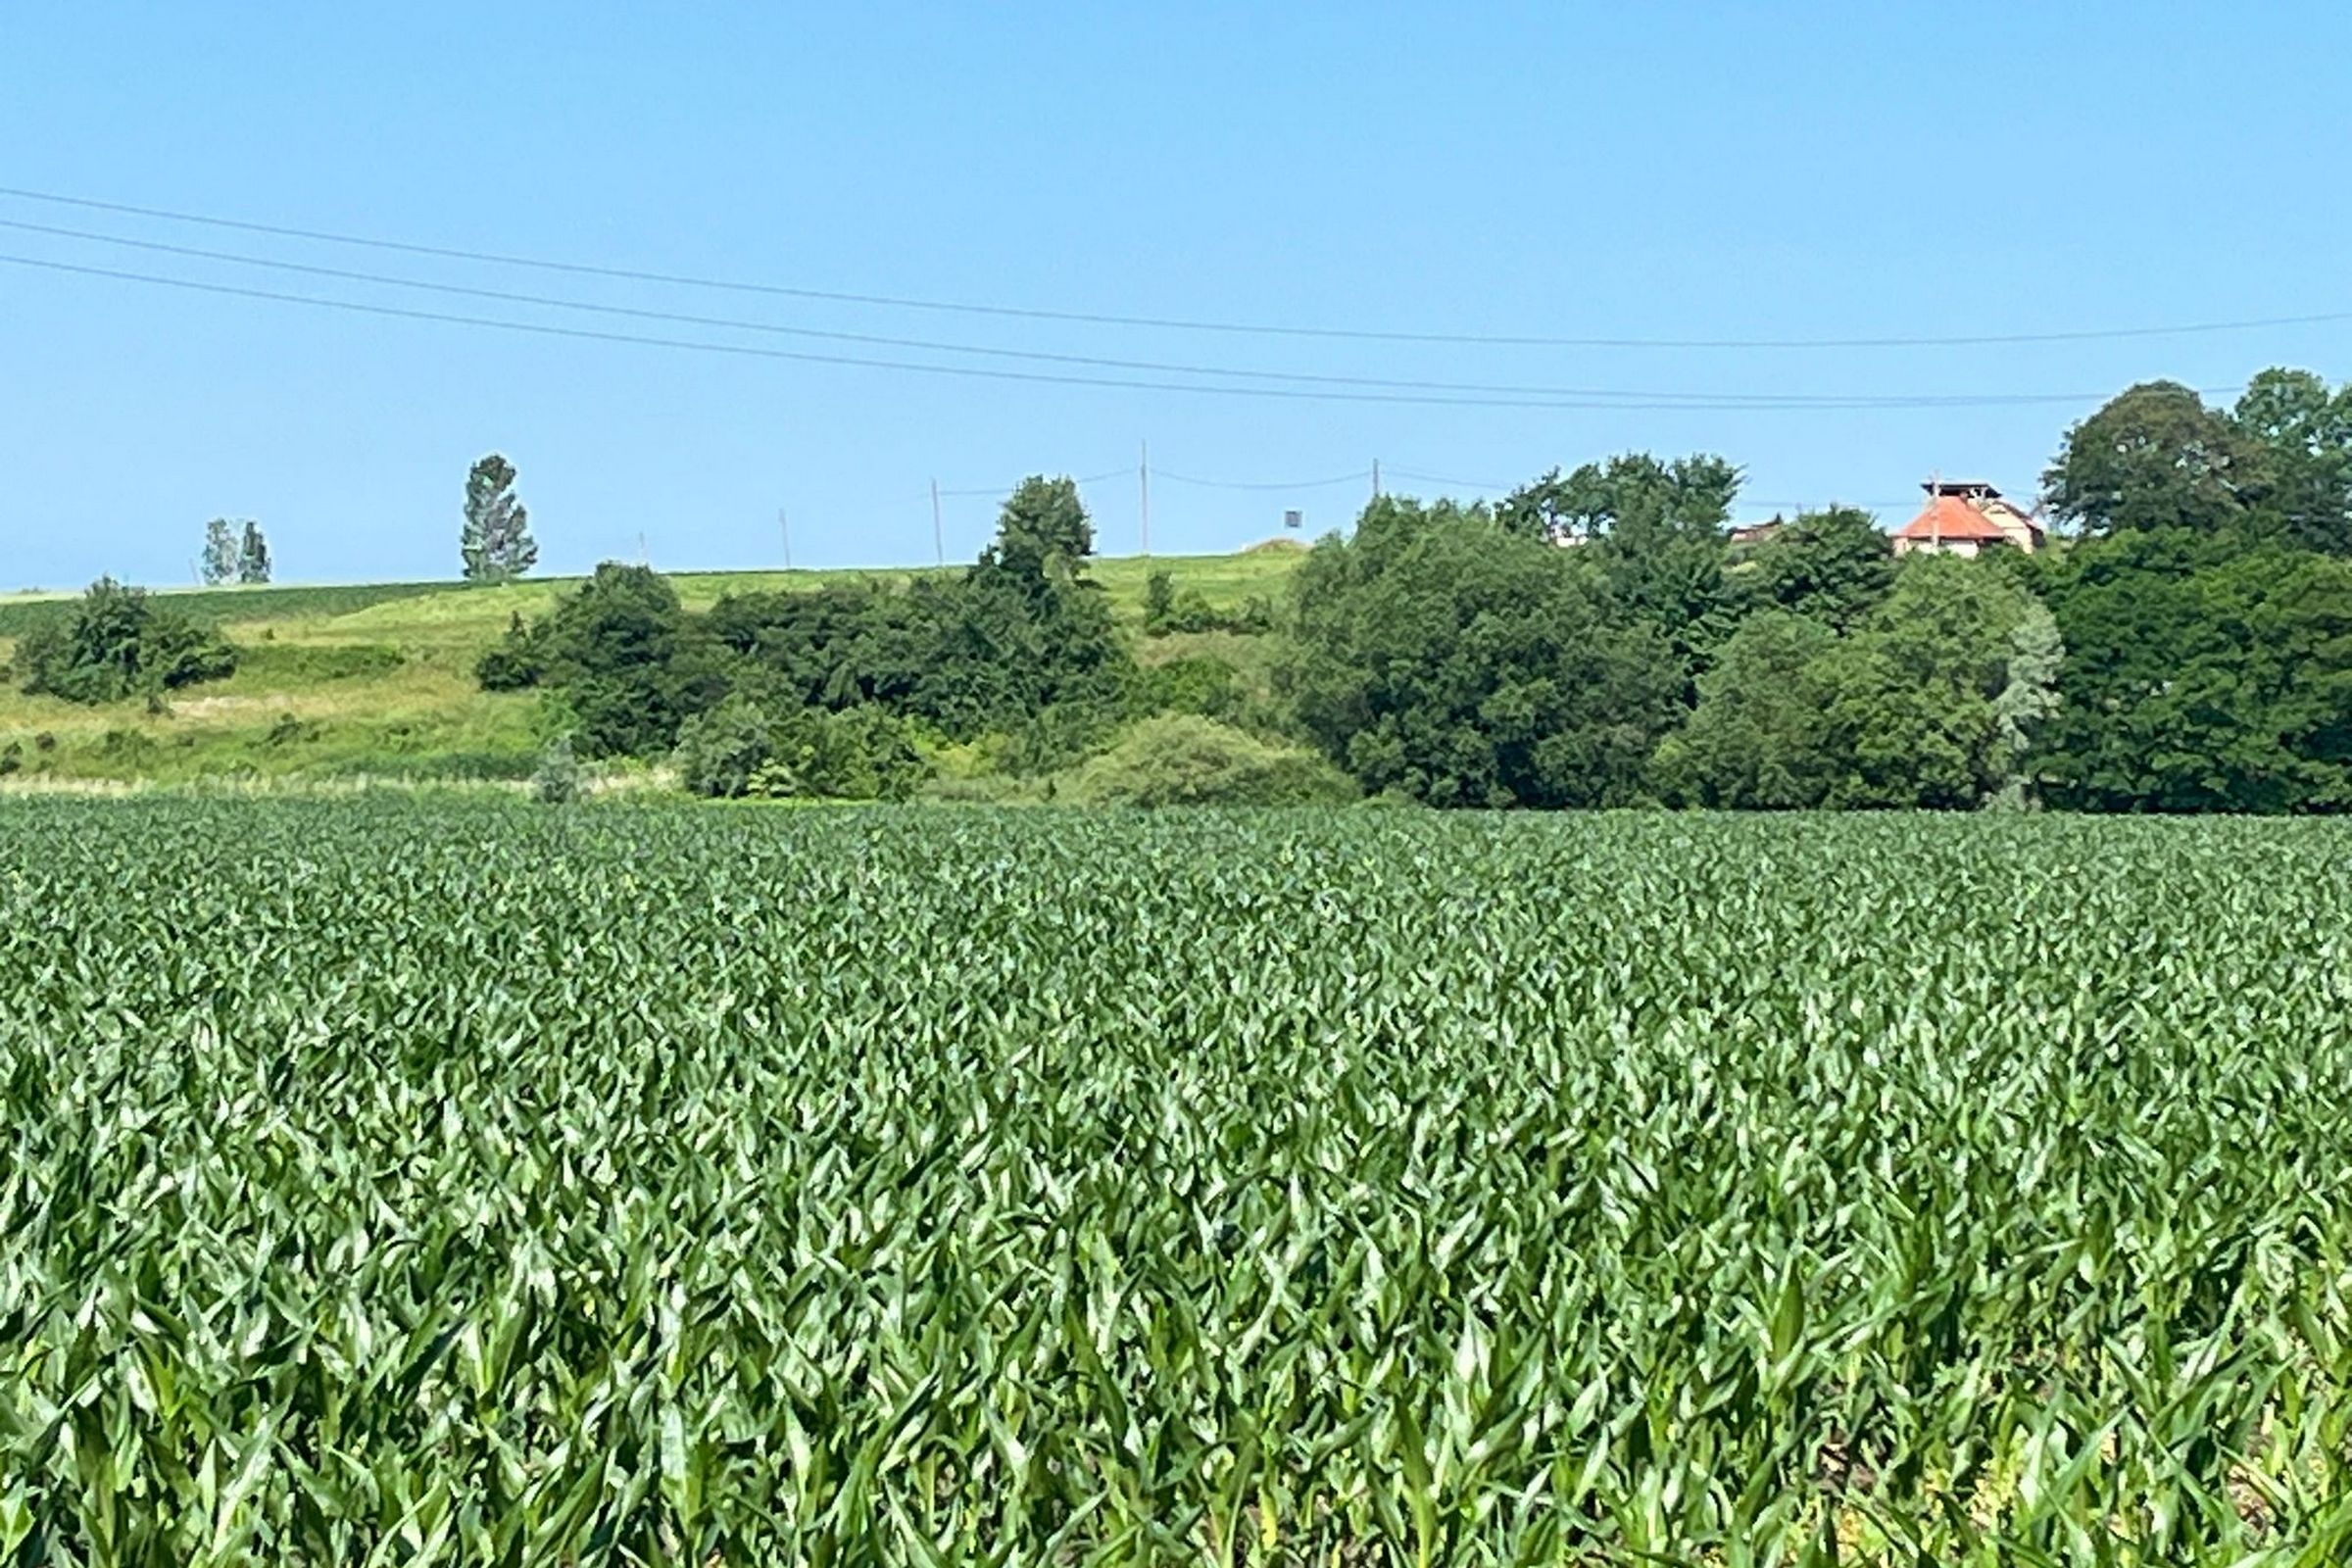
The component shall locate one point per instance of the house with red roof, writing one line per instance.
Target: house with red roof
(1967, 517)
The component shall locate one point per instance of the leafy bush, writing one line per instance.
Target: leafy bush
(740, 748)
(1168, 611)
(515, 662)
(1208, 687)
(718, 751)
(557, 779)
(1023, 632)
(1183, 760)
(117, 643)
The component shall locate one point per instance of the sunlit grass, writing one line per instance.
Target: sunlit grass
(307, 656)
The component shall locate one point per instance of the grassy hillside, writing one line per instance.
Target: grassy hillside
(376, 679)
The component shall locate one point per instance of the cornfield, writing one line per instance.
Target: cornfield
(419, 1182)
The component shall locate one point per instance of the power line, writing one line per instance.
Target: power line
(1439, 478)
(1278, 484)
(1007, 489)
(1290, 394)
(1154, 366)
(1182, 324)
(1748, 502)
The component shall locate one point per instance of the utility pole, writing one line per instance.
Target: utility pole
(784, 527)
(1143, 479)
(1376, 479)
(939, 538)
(643, 559)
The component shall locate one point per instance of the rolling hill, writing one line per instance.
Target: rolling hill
(376, 680)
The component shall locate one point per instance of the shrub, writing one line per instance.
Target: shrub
(557, 780)
(515, 662)
(1168, 611)
(719, 751)
(1195, 684)
(1183, 760)
(117, 642)
(740, 748)
(624, 657)
(1059, 736)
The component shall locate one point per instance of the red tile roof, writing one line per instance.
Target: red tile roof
(1951, 517)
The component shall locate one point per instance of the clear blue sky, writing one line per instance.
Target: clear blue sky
(1619, 171)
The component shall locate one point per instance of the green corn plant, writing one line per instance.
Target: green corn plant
(392, 1180)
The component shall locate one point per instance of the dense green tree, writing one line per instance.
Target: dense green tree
(1439, 655)
(2304, 431)
(1760, 738)
(1656, 532)
(1022, 644)
(1027, 628)
(514, 662)
(1930, 701)
(220, 565)
(253, 556)
(1911, 694)
(837, 646)
(120, 643)
(1043, 532)
(2203, 673)
(1833, 565)
(626, 662)
(1023, 632)
(495, 543)
(2155, 457)
(1635, 488)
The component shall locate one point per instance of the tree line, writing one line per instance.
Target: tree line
(1595, 639)
(1598, 638)
(2185, 645)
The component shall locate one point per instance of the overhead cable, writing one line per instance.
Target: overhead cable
(1185, 323)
